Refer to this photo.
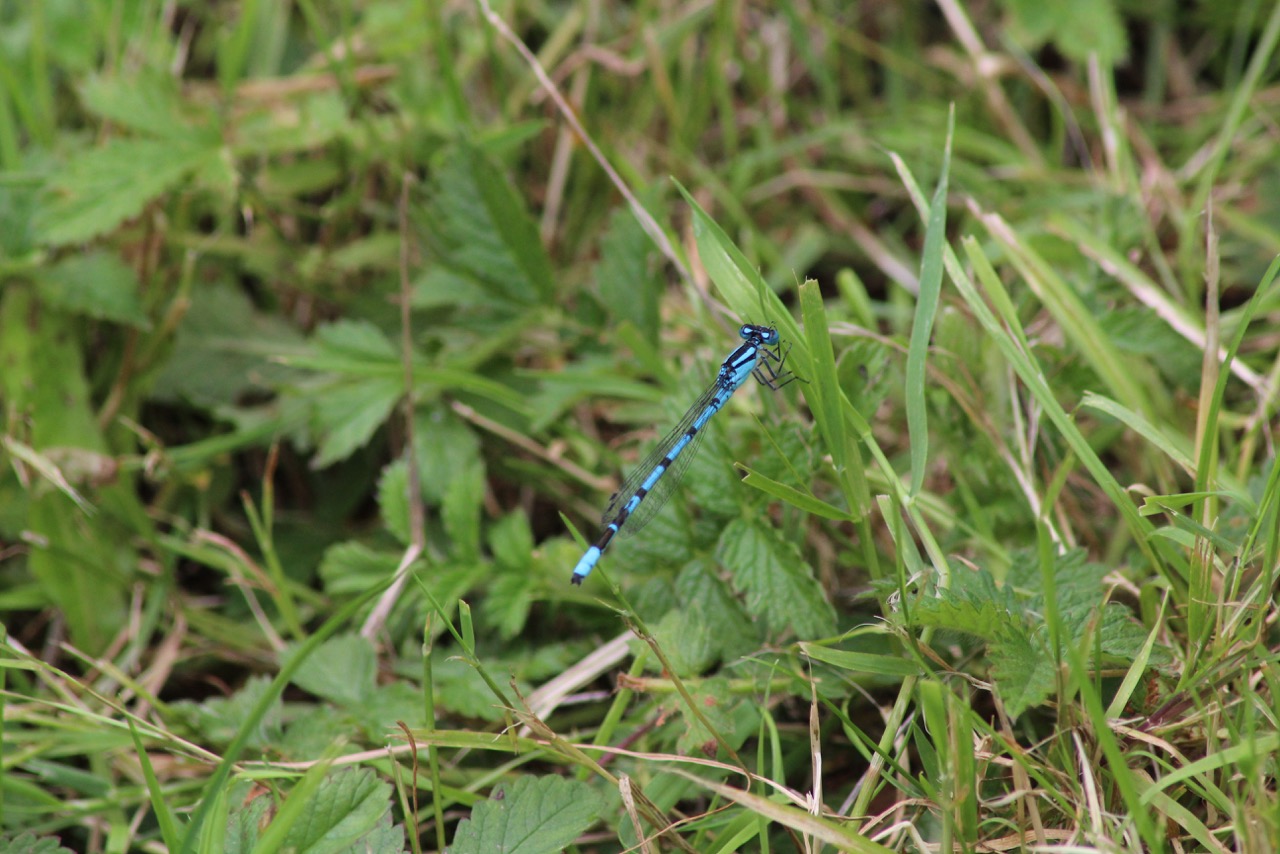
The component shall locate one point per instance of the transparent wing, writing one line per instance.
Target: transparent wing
(661, 491)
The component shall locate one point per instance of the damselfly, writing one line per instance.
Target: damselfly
(651, 484)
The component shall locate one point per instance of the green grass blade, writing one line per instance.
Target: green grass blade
(840, 425)
(1029, 371)
(922, 328)
(159, 805)
(741, 285)
(790, 495)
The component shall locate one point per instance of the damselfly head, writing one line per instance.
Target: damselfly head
(766, 335)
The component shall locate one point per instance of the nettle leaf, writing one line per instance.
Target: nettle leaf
(29, 843)
(973, 605)
(312, 729)
(687, 639)
(224, 350)
(733, 716)
(312, 122)
(96, 284)
(343, 670)
(354, 348)
(533, 815)
(148, 102)
(386, 835)
(347, 811)
(366, 384)
(245, 824)
(945, 611)
(481, 226)
(1077, 582)
(460, 511)
(1023, 668)
(1011, 620)
(1079, 585)
(378, 713)
(625, 275)
(102, 188)
(511, 540)
(460, 690)
(1077, 29)
(393, 500)
(18, 206)
(1123, 637)
(731, 629)
(218, 719)
(446, 447)
(359, 340)
(347, 415)
(777, 584)
(712, 484)
(507, 602)
(353, 567)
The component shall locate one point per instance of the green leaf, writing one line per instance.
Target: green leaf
(28, 843)
(922, 326)
(223, 350)
(667, 540)
(347, 811)
(385, 835)
(533, 815)
(96, 284)
(1023, 669)
(393, 500)
(148, 101)
(350, 412)
(1078, 29)
(839, 424)
(460, 689)
(312, 729)
(741, 284)
(353, 567)
(379, 713)
(1176, 447)
(219, 719)
(777, 584)
(245, 824)
(18, 205)
(626, 277)
(460, 511)
(511, 541)
(353, 348)
(342, 670)
(82, 561)
(973, 605)
(101, 188)
(688, 639)
(710, 601)
(312, 122)
(447, 447)
(1123, 637)
(378, 251)
(727, 714)
(359, 340)
(480, 226)
(507, 602)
